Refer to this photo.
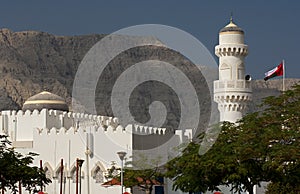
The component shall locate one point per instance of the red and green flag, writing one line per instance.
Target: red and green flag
(277, 71)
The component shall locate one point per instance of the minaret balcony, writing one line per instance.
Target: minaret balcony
(243, 86)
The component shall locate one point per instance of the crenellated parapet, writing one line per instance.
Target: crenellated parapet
(59, 114)
(231, 50)
(131, 129)
(75, 130)
(241, 107)
(233, 98)
(144, 130)
(19, 124)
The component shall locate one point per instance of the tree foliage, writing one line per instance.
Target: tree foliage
(143, 172)
(262, 146)
(140, 171)
(280, 188)
(16, 169)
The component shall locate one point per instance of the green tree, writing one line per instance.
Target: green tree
(279, 188)
(221, 165)
(140, 171)
(281, 121)
(17, 169)
(263, 146)
(143, 172)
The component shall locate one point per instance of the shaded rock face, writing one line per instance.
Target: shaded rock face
(31, 62)
(262, 89)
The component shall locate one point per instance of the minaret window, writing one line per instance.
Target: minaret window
(225, 72)
(241, 71)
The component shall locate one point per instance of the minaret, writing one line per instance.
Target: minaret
(233, 90)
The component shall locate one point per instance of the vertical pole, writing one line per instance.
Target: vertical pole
(283, 78)
(65, 181)
(87, 154)
(61, 175)
(15, 123)
(79, 163)
(121, 176)
(80, 179)
(87, 172)
(122, 156)
(55, 146)
(20, 187)
(41, 167)
(77, 176)
(69, 180)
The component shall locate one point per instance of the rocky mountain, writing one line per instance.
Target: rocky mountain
(31, 62)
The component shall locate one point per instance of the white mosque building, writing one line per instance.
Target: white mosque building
(46, 126)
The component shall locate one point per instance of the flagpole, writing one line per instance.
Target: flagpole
(283, 78)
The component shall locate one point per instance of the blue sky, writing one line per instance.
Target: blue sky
(272, 28)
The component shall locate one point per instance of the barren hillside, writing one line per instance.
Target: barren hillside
(34, 61)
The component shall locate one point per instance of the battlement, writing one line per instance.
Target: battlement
(144, 130)
(234, 98)
(232, 107)
(19, 124)
(56, 115)
(231, 50)
(28, 112)
(131, 128)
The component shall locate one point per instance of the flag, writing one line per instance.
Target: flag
(277, 71)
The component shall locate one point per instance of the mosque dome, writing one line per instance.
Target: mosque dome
(45, 100)
(231, 27)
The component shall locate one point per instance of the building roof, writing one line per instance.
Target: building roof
(45, 100)
(112, 182)
(231, 27)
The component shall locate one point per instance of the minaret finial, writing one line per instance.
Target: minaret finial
(231, 19)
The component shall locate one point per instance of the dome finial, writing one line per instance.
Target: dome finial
(231, 27)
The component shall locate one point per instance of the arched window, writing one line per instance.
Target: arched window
(48, 171)
(98, 172)
(241, 71)
(225, 71)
